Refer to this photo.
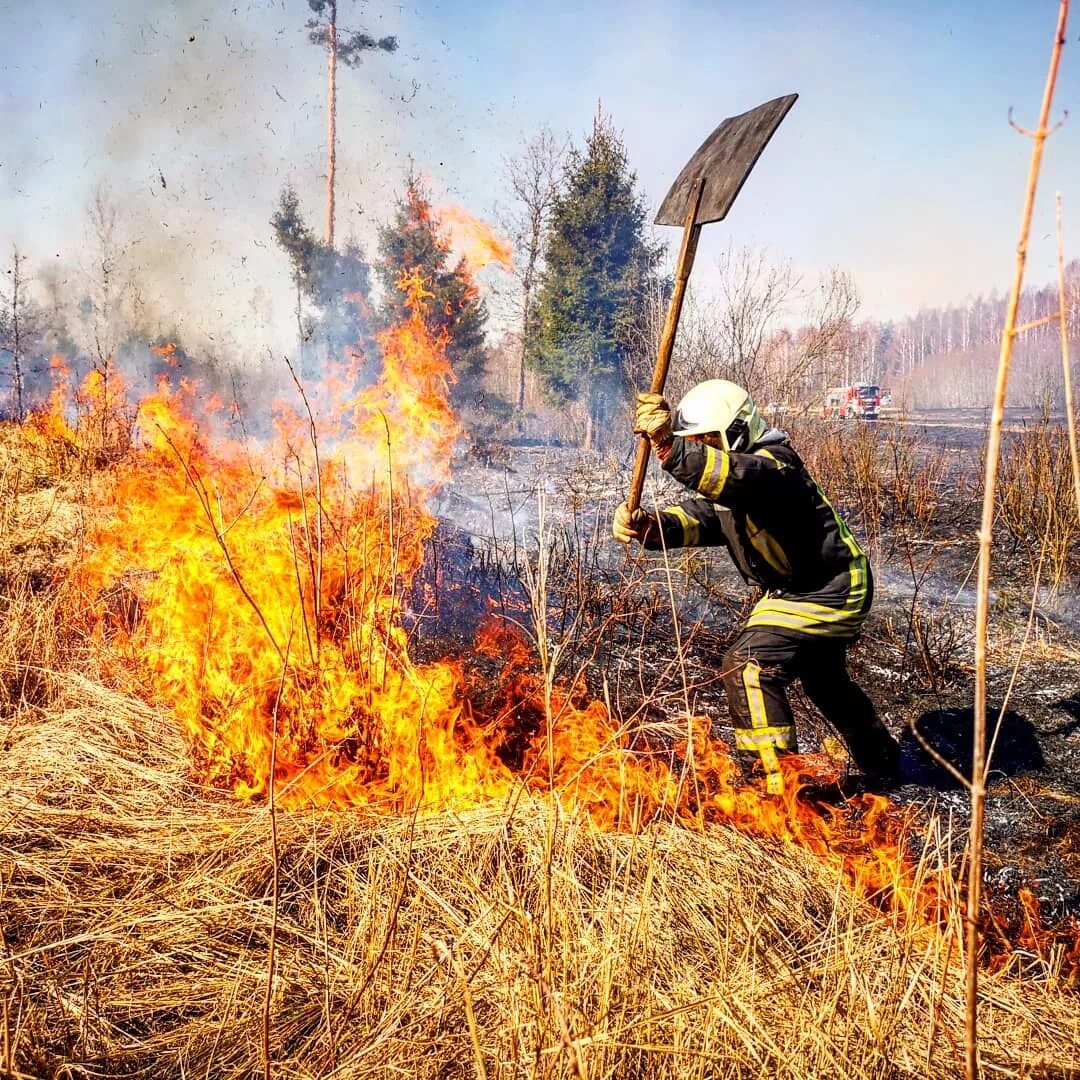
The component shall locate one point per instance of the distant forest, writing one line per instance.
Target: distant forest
(947, 357)
(583, 307)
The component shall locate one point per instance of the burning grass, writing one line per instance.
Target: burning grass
(244, 829)
(512, 940)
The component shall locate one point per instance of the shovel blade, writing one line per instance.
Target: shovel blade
(724, 159)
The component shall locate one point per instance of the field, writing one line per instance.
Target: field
(578, 886)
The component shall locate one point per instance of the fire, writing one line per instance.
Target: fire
(270, 620)
(93, 419)
(474, 239)
(258, 593)
(53, 424)
(167, 352)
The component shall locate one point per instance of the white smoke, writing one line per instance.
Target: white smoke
(194, 115)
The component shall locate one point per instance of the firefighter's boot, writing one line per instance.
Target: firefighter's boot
(845, 705)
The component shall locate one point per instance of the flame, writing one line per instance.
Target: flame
(258, 593)
(474, 239)
(271, 621)
(92, 420)
(167, 352)
(52, 424)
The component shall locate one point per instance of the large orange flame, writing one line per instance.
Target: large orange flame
(476, 241)
(258, 593)
(270, 612)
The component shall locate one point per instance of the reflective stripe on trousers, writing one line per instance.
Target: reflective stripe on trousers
(761, 737)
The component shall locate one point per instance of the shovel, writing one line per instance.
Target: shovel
(704, 192)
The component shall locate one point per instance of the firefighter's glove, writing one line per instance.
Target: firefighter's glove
(653, 418)
(627, 526)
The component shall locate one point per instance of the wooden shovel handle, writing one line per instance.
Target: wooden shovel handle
(685, 263)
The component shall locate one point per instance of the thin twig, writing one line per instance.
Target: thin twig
(275, 880)
(195, 480)
(313, 434)
(1063, 315)
(982, 605)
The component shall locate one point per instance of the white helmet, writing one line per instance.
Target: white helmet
(717, 406)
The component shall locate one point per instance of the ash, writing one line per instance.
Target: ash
(646, 633)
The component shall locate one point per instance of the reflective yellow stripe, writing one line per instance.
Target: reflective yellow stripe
(815, 614)
(808, 608)
(765, 545)
(691, 527)
(823, 622)
(714, 475)
(860, 565)
(771, 456)
(826, 631)
(781, 738)
(765, 745)
(755, 699)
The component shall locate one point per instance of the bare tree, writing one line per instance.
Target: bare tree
(699, 351)
(763, 331)
(754, 294)
(348, 47)
(645, 338)
(534, 176)
(54, 281)
(113, 312)
(23, 334)
(100, 306)
(14, 342)
(826, 342)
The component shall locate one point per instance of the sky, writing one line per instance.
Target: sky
(897, 163)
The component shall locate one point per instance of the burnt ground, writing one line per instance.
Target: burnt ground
(612, 612)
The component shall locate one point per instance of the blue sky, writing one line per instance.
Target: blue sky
(896, 164)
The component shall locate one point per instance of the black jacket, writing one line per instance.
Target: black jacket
(781, 531)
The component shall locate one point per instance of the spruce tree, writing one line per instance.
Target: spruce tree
(598, 267)
(336, 285)
(455, 307)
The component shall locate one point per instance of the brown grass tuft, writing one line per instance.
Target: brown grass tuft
(137, 912)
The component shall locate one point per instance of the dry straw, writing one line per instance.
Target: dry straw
(138, 910)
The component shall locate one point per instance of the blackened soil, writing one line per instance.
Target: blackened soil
(649, 635)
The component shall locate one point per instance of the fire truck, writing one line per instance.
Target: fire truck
(859, 401)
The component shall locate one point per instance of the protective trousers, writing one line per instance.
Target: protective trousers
(759, 666)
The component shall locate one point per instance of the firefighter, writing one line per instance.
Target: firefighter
(755, 497)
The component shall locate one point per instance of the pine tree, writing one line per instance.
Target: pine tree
(455, 307)
(598, 267)
(336, 284)
(346, 47)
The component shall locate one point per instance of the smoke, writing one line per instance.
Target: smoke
(195, 115)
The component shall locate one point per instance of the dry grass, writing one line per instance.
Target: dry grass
(893, 483)
(137, 911)
(1035, 499)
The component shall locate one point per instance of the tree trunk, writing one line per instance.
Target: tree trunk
(526, 326)
(331, 109)
(300, 332)
(526, 289)
(16, 352)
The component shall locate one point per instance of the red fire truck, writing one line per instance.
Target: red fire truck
(859, 401)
